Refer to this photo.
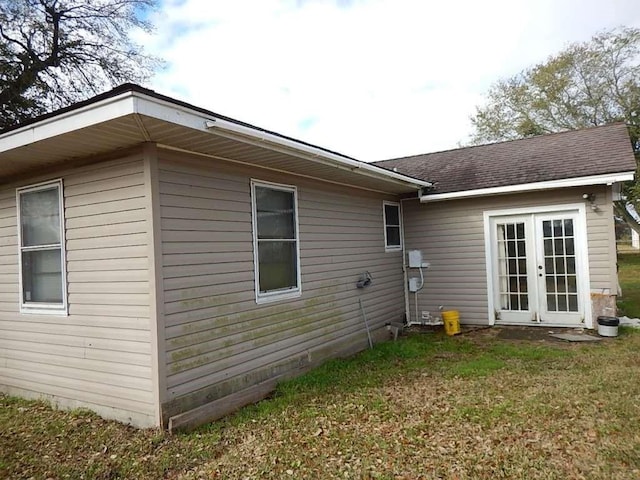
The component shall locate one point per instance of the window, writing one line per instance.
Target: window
(41, 252)
(275, 241)
(392, 229)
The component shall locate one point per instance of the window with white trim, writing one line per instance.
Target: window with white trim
(392, 229)
(41, 248)
(275, 241)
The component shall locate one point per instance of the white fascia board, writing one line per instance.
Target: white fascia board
(76, 119)
(604, 179)
(313, 153)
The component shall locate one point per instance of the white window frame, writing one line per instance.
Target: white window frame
(387, 247)
(43, 308)
(281, 294)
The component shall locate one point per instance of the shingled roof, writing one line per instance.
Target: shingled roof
(578, 153)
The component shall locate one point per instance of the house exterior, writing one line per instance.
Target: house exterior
(520, 232)
(164, 265)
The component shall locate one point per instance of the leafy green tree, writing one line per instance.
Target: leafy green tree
(57, 52)
(587, 84)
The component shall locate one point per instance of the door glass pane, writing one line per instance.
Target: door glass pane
(570, 249)
(571, 265)
(42, 276)
(572, 286)
(548, 247)
(562, 303)
(40, 217)
(549, 265)
(568, 227)
(551, 303)
(515, 304)
(523, 284)
(559, 261)
(573, 303)
(557, 228)
(521, 248)
(511, 248)
(558, 247)
(561, 284)
(524, 302)
(511, 232)
(522, 266)
(551, 284)
(546, 229)
(520, 231)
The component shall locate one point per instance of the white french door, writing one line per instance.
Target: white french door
(538, 268)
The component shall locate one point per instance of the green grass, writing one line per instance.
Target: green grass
(428, 405)
(629, 277)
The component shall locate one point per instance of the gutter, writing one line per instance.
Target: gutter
(311, 153)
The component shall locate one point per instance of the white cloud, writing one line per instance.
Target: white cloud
(372, 79)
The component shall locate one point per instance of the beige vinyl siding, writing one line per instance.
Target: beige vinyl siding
(97, 356)
(219, 340)
(451, 236)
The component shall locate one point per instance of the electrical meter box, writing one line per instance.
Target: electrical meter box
(415, 258)
(414, 284)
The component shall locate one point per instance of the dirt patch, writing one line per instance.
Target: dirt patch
(532, 333)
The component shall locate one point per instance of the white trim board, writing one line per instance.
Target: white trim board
(604, 179)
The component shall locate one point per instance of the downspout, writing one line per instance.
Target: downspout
(407, 314)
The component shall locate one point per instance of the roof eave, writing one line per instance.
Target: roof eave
(602, 179)
(161, 108)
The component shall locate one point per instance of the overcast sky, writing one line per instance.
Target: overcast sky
(372, 79)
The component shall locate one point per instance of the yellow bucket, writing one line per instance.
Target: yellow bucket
(451, 321)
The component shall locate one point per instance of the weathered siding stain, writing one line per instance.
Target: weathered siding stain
(451, 236)
(99, 355)
(218, 340)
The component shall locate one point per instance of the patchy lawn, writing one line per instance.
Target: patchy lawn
(629, 276)
(427, 406)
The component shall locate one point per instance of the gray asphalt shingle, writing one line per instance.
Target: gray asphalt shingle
(578, 153)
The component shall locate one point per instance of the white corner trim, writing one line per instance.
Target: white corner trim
(604, 179)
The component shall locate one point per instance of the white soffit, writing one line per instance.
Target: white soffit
(604, 179)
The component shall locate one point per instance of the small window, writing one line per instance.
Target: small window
(41, 249)
(275, 241)
(392, 229)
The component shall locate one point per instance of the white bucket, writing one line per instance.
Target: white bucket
(608, 326)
